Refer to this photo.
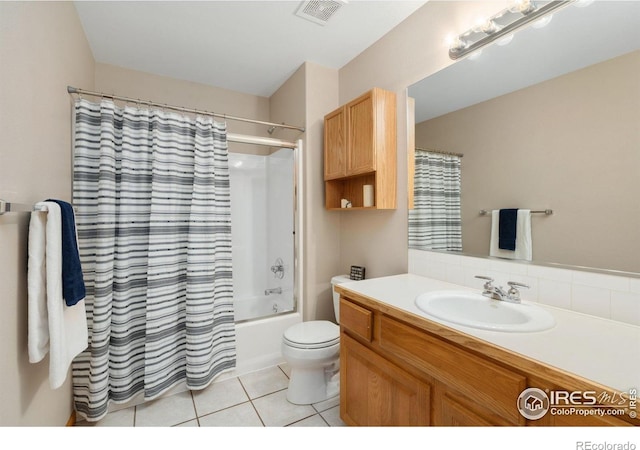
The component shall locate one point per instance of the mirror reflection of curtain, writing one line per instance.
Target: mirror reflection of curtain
(435, 221)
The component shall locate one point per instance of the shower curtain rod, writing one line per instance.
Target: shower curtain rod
(73, 90)
(442, 152)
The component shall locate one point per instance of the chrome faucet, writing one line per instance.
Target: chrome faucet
(277, 290)
(498, 292)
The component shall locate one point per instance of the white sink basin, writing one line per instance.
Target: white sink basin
(474, 310)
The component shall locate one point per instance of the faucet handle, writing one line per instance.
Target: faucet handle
(488, 284)
(484, 278)
(514, 293)
(515, 284)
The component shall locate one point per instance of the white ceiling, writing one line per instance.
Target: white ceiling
(246, 46)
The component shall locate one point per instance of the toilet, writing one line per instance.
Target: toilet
(312, 351)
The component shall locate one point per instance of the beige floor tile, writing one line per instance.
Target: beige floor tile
(276, 411)
(313, 421)
(332, 416)
(166, 411)
(189, 424)
(219, 396)
(286, 369)
(227, 404)
(327, 404)
(243, 415)
(263, 382)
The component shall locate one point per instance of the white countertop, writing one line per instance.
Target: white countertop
(601, 350)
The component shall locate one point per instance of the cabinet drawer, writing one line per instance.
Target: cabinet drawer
(356, 319)
(482, 381)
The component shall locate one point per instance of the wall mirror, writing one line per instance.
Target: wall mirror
(549, 121)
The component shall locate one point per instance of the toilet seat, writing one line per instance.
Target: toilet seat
(312, 335)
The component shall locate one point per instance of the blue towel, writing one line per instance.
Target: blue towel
(73, 289)
(507, 229)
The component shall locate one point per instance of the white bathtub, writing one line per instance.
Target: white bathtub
(258, 342)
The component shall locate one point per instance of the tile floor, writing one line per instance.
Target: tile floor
(257, 399)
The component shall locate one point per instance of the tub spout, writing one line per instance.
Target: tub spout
(277, 290)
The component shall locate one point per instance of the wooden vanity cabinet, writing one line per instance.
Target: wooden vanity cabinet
(395, 372)
(380, 393)
(359, 149)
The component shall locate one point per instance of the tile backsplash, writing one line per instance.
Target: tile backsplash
(603, 295)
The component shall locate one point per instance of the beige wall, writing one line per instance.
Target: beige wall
(410, 52)
(307, 96)
(42, 50)
(569, 144)
(140, 85)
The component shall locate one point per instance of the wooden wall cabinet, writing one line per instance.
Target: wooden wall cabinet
(359, 149)
(394, 372)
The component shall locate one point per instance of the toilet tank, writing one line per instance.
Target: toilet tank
(339, 279)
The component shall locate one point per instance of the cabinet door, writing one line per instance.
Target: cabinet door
(361, 146)
(375, 392)
(457, 410)
(335, 145)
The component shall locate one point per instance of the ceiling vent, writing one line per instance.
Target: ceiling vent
(319, 11)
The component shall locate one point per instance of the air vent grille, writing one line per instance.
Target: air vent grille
(318, 11)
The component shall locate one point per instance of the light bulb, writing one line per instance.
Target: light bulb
(449, 40)
(475, 55)
(505, 40)
(542, 22)
(489, 27)
(583, 3)
(523, 7)
(455, 43)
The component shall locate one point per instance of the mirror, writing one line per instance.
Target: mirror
(549, 121)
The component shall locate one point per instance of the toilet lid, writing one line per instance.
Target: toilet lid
(313, 334)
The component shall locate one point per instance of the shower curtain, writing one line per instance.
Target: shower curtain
(151, 192)
(435, 222)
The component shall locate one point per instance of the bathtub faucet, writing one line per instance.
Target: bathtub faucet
(278, 269)
(277, 290)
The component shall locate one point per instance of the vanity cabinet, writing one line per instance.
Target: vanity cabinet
(398, 369)
(360, 149)
(380, 393)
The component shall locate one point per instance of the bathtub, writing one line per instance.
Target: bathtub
(258, 342)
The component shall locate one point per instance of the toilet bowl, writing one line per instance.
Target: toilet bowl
(312, 351)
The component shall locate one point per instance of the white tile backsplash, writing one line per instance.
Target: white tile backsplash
(555, 293)
(634, 285)
(591, 300)
(625, 307)
(550, 273)
(603, 295)
(598, 280)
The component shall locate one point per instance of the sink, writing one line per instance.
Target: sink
(474, 310)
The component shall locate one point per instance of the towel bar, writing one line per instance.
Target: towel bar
(6, 207)
(548, 212)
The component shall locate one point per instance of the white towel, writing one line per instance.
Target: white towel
(53, 326)
(524, 248)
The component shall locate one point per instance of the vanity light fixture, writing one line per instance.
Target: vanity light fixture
(501, 26)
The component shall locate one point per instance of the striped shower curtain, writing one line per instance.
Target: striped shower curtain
(151, 192)
(435, 222)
